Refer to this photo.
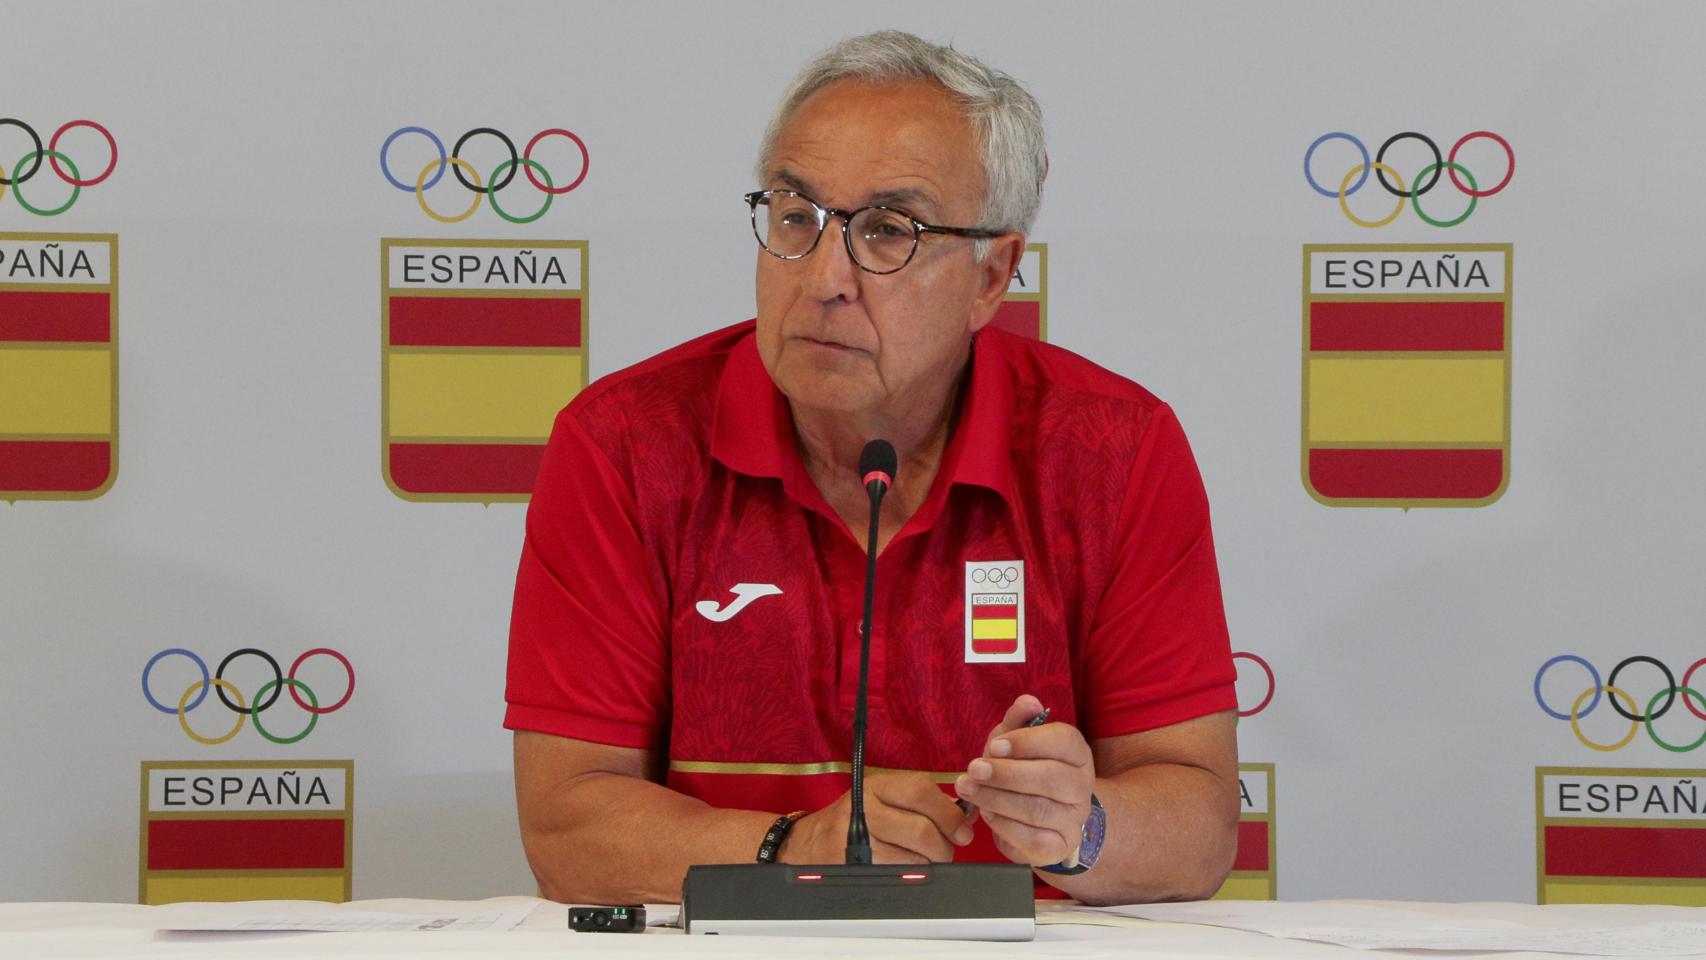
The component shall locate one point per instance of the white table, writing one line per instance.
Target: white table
(58, 931)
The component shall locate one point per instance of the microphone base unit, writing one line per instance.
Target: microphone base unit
(937, 901)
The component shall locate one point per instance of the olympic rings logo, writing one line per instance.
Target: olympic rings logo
(996, 577)
(1266, 671)
(501, 176)
(1625, 704)
(264, 698)
(1430, 174)
(30, 164)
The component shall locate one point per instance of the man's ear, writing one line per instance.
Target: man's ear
(998, 269)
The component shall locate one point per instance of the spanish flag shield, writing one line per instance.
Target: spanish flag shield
(995, 611)
(1620, 835)
(1406, 374)
(58, 365)
(483, 342)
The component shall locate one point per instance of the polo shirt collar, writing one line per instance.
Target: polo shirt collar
(753, 430)
(978, 452)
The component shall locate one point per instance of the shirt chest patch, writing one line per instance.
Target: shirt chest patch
(744, 595)
(995, 611)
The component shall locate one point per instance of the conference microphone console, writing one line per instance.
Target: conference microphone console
(934, 901)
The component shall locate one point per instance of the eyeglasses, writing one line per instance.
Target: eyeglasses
(879, 239)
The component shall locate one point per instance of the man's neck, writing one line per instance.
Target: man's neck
(831, 442)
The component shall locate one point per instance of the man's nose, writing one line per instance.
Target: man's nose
(830, 271)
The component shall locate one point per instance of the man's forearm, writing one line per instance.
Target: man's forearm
(1172, 835)
(610, 838)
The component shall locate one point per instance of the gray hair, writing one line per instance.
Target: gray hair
(1006, 121)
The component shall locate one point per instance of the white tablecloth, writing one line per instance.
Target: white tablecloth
(54, 931)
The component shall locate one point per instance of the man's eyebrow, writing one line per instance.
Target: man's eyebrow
(905, 198)
(789, 180)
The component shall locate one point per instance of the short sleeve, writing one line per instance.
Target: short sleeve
(1158, 651)
(588, 648)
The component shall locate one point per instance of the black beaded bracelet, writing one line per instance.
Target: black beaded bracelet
(778, 832)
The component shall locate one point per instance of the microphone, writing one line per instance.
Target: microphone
(877, 465)
(949, 901)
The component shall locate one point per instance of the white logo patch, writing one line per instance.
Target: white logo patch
(744, 593)
(995, 611)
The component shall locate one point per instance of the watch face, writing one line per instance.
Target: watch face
(1095, 831)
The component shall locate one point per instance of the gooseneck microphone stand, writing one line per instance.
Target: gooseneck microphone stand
(877, 465)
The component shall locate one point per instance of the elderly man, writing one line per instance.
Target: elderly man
(684, 651)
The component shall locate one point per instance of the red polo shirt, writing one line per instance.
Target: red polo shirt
(684, 586)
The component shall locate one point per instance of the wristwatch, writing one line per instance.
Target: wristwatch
(1089, 843)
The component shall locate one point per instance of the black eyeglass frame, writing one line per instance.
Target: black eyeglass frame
(919, 228)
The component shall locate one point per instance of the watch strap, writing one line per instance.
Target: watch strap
(1090, 840)
(771, 847)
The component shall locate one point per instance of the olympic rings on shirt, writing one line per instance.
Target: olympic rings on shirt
(996, 577)
(30, 164)
(501, 176)
(1624, 703)
(1425, 180)
(1258, 661)
(264, 699)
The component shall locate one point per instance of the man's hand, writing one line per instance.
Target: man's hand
(910, 819)
(1032, 786)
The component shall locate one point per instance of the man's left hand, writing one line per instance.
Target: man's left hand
(1032, 785)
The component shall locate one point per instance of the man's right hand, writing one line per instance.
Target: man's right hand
(910, 819)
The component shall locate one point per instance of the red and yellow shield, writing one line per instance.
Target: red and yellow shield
(483, 342)
(58, 365)
(1620, 835)
(222, 830)
(1406, 374)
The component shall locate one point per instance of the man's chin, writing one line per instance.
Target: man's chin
(817, 388)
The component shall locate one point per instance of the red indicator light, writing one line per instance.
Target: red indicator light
(809, 876)
(912, 876)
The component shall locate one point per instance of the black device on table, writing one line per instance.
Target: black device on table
(628, 919)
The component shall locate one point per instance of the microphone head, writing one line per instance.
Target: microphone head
(877, 462)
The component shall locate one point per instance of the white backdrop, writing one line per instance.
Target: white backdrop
(249, 508)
